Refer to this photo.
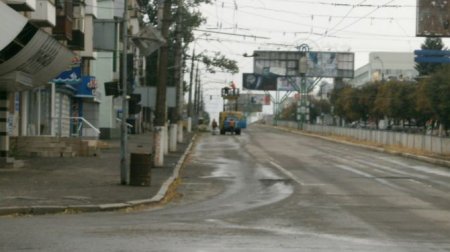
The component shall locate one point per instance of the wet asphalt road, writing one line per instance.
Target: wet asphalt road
(267, 190)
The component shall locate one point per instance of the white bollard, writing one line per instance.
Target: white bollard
(166, 140)
(173, 138)
(158, 151)
(189, 125)
(180, 131)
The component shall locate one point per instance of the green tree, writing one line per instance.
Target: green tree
(191, 19)
(396, 100)
(319, 107)
(423, 109)
(367, 98)
(431, 43)
(289, 112)
(345, 102)
(437, 90)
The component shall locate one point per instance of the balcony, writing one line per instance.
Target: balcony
(91, 7)
(63, 28)
(64, 20)
(22, 5)
(44, 15)
(77, 42)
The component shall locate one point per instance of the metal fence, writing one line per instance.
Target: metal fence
(433, 144)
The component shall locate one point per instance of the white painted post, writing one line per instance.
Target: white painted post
(173, 138)
(158, 151)
(189, 125)
(180, 131)
(166, 139)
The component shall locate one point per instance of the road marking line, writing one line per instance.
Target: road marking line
(288, 173)
(367, 175)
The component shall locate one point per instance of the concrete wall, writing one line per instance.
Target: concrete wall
(437, 145)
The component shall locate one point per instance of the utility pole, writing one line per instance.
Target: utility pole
(160, 111)
(191, 79)
(124, 164)
(199, 96)
(179, 73)
(196, 91)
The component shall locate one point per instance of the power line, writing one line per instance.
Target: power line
(351, 24)
(312, 15)
(232, 34)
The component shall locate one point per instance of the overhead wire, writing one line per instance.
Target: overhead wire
(369, 13)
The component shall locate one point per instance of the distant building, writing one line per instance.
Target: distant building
(385, 66)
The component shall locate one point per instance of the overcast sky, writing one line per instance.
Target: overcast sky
(235, 27)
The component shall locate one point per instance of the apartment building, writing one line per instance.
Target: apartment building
(53, 67)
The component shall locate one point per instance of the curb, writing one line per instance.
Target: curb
(158, 198)
(403, 154)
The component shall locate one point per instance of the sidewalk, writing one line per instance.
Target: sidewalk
(80, 184)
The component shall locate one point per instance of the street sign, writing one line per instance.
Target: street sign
(432, 56)
(429, 52)
(432, 60)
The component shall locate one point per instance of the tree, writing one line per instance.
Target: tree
(319, 108)
(345, 102)
(431, 43)
(219, 61)
(395, 99)
(437, 90)
(289, 112)
(367, 98)
(423, 109)
(191, 19)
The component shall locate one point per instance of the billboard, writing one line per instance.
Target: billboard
(252, 102)
(309, 64)
(259, 82)
(433, 18)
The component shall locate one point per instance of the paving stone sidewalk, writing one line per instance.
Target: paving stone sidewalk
(50, 185)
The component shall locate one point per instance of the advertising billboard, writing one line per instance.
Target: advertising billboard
(433, 18)
(309, 64)
(266, 82)
(252, 102)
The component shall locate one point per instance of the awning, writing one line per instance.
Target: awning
(148, 40)
(28, 51)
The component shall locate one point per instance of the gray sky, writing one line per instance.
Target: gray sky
(359, 26)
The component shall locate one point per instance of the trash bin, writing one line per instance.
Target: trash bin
(140, 169)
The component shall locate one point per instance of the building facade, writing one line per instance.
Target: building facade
(385, 66)
(52, 69)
